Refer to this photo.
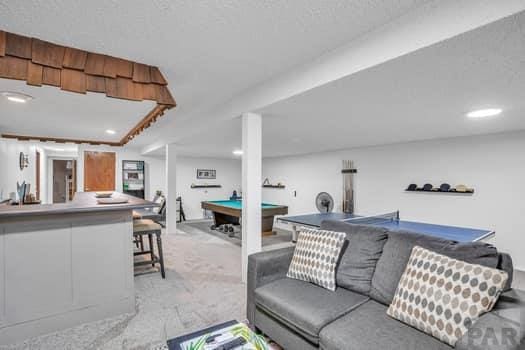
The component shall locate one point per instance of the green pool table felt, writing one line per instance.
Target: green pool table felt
(237, 204)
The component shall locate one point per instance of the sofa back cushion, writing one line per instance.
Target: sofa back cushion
(362, 251)
(398, 248)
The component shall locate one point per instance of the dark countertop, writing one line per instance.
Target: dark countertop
(83, 202)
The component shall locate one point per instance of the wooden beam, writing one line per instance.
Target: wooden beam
(18, 46)
(164, 96)
(2, 43)
(149, 92)
(144, 123)
(40, 62)
(95, 83)
(141, 73)
(95, 64)
(47, 54)
(73, 80)
(110, 67)
(157, 77)
(59, 140)
(124, 68)
(123, 88)
(51, 76)
(13, 68)
(34, 74)
(74, 58)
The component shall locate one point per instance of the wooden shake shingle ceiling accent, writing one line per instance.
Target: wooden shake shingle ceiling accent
(40, 63)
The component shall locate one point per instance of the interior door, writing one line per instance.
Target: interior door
(59, 181)
(99, 171)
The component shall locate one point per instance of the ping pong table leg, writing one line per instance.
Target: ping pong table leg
(295, 234)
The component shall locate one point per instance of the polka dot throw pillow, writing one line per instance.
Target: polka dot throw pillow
(442, 296)
(315, 257)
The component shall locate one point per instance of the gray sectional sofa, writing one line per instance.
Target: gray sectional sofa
(300, 315)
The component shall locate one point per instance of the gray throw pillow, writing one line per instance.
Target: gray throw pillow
(315, 257)
(359, 258)
(398, 248)
(444, 297)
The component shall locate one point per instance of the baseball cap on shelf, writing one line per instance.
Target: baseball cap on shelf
(412, 187)
(444, 187)
(461, 188)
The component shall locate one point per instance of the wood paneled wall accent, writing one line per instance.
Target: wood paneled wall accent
(41, 62)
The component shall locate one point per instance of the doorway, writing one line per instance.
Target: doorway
(64, 180)
(99, 171)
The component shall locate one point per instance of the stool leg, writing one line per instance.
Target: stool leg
(161, 255)
(150, 238)
(141, 242)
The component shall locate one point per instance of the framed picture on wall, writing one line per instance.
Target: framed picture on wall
(208, 174)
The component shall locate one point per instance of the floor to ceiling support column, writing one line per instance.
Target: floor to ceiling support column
(171, 190)
(251, 187)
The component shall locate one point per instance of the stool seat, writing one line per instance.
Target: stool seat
(145, 225)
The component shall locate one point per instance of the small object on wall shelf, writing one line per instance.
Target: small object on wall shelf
(443, 188)
(267, 184)
(205, 186)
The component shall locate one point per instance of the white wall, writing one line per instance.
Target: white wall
(10, 171)
(154, 167)
(228, 176)
(494, 165)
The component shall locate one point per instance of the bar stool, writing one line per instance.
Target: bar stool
(146, 227)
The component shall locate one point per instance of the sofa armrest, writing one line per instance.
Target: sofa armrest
(501, 329)
(264, 268)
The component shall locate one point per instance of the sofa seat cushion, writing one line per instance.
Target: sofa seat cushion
(369, 327)
(305, 307)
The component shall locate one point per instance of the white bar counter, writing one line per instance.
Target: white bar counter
(65, 264)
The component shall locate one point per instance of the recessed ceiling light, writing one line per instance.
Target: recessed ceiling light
(237, 152)
(16, 97)
(111, 132)
(484, 113)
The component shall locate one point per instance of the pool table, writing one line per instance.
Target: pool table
(229, 212)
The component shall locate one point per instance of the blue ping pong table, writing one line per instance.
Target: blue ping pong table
(460, 234)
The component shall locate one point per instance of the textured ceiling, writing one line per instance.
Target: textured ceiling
(423, 95)
(208, 50)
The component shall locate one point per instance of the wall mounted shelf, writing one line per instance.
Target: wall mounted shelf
(206, 186)
(273, 186)
(467, 193)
